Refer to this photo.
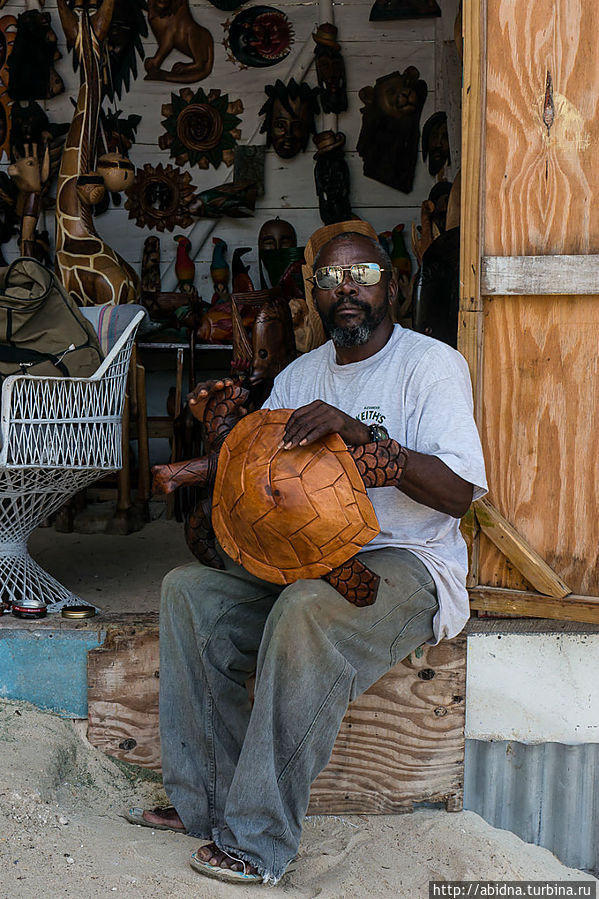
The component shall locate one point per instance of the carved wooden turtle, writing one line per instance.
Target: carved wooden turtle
(288, 514)
(315, 513)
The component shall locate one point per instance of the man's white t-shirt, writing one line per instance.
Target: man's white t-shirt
(419, 390)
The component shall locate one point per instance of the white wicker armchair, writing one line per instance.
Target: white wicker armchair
(58, 435)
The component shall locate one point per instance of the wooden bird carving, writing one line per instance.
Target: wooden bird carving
(184, 265)
(219, 271)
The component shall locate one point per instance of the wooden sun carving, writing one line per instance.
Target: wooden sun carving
(201, 129)
(159, 198)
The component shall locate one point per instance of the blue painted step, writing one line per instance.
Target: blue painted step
(47, 667)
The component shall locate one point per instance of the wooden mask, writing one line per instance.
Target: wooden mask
(124, 44)
(32, 75)
(435, 142)
(330, 69)
(388, 142)
(331, 176)
(275, 234)
(289, 117)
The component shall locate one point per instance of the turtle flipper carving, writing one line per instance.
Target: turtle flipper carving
(380, 464)
(355, 582)
(199, 534)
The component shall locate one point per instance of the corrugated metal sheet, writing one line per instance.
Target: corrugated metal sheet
(546, 793)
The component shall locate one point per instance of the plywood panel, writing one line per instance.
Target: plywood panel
(123, 686)
(540, 425)
(401, 742)
(542, 183)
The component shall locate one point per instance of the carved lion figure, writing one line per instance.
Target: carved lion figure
(175, 29)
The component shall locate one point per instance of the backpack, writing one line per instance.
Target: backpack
(42, 330)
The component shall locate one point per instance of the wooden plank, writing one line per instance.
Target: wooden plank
(528, 562)
(402, 741)
(470, 321)
(540, 426)
(541, 176)
(470, 531)
(123, 695)
(530, 275)
(473, 94)
(498, 600)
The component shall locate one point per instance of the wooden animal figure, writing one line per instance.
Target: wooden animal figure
(175, 29)
(273, 347)
(272, 344)
(242, 282)
(219, 271)
(90, 270)
(184, 265)
(30, 176)
(395, 245)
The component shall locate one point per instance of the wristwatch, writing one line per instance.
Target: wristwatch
(378, 432)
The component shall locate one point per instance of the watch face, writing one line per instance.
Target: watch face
(378, 432)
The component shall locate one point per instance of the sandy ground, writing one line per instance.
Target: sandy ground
(61, 834)
(114, 573)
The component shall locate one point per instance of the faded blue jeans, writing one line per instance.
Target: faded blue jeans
(241, 775)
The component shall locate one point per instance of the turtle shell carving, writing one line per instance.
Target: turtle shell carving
(288, 514)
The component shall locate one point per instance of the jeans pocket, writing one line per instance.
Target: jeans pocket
(417, 629)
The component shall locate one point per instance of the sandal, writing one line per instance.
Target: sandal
(136, 816)
(224, 874)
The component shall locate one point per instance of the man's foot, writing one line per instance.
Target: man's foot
(214, 862)
(158, 818)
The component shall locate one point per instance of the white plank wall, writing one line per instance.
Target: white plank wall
(370, 50)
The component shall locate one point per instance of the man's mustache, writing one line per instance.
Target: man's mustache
(353, 304)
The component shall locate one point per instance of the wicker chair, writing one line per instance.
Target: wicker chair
(58, 435)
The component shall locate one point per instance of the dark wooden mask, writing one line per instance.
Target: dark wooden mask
(388, 142)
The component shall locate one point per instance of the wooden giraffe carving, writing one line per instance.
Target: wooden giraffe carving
(30, 174)
(89, 269)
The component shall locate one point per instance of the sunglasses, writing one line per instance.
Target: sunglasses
(366, 274)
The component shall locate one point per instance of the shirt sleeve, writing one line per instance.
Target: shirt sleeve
(442, 424)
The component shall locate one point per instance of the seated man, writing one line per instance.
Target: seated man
(239, 775)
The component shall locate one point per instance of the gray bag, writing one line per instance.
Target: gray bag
(42, 330)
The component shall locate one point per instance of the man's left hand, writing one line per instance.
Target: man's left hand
(309, 423)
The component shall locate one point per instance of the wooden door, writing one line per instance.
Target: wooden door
(529, 321)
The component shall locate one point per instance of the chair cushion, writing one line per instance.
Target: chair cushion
(111, 321)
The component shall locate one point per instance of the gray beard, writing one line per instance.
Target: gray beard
(357, 335)
(348, 337)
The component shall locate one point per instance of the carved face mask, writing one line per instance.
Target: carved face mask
(330, 70)
(435, 142)
(277, 234)
(290, 128)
